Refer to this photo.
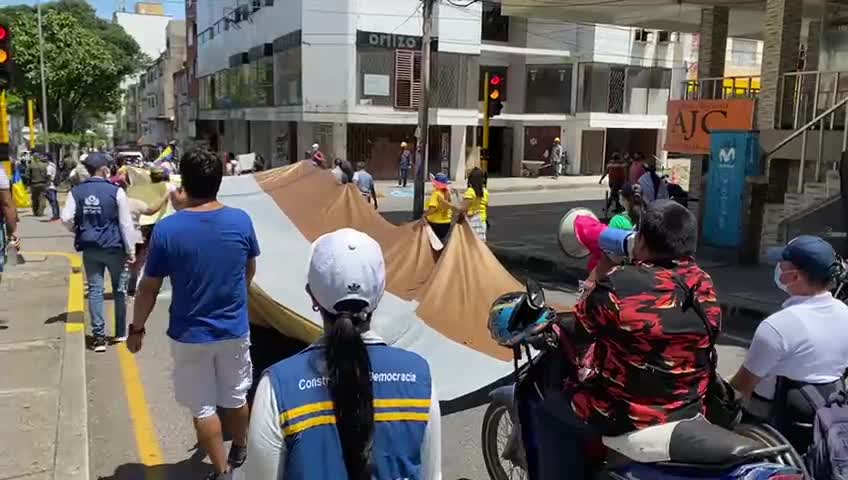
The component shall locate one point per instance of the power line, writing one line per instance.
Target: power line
(420, 5)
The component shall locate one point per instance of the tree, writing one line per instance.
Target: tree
(86, 59)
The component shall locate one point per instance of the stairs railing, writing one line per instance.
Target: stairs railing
(819, 121)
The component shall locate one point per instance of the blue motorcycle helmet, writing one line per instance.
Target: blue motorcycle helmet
(516, 316)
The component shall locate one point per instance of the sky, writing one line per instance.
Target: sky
(105, 8)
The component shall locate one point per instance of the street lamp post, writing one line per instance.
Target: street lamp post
(43, 83)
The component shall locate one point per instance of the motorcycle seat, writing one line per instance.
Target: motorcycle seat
(691, 442)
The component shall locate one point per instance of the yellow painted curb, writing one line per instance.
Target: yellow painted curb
(75, 320)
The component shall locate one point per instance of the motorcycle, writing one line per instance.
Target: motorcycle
(696, 449)
(840, 281)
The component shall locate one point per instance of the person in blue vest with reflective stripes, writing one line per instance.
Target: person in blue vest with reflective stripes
(349, 406)
(99, 215)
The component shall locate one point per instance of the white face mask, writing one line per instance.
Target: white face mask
(778, 272)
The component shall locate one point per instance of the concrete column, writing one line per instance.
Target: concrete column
(305, 138)
(781, 38)
(712, 45)
(339, 148)
(517, 149)
(457, 152)
(813, 47)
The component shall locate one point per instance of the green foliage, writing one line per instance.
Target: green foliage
(86, 58)
(87, 139)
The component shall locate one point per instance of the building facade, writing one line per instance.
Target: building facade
(156, 89)
(276, 76)
(599, 88)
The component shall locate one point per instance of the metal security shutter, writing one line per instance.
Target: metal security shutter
(407, 79)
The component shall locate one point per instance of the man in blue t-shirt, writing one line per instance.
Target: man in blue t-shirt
(209, 252)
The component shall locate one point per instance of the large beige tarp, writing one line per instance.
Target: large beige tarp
(436, 304)
(142, 188)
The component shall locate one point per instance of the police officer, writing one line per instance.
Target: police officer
(99, 215)
(38, 180)
(348, 406)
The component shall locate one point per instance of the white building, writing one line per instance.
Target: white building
(279, 75)
(147, 26)
(148, 30)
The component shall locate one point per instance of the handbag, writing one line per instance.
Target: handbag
(723, 402)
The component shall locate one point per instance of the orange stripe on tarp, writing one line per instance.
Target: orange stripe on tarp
(454, 294)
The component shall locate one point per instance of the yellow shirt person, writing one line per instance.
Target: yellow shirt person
(478, 205)
(475, 203)
(441, 213)
(439, 208)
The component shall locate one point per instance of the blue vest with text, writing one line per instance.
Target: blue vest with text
(96, 218)
(401, 383)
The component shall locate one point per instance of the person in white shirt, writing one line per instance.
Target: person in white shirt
(348, 406)
(805, 342)
(52, 193)
(98, 214)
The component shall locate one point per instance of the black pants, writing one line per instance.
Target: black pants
(555, 438)
(441, 230)
(37, 193)
(614, 199)
(404, 173)
(53, 200)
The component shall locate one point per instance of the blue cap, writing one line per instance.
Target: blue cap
(441, 178)
(808, 253)
(96, 160)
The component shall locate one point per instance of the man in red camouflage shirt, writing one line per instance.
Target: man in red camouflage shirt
(644, 355)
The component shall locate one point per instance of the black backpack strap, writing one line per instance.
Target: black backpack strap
(812, 395)
(690, 301)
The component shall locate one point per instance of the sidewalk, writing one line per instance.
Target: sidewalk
(504, 184)
(742, 289)
(43, 388)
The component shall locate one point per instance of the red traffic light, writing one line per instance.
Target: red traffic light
(3, 32)
(495, 80)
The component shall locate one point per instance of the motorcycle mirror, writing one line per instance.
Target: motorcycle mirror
(535, 294)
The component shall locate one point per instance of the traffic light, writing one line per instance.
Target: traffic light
(6, 64)
(496, 94)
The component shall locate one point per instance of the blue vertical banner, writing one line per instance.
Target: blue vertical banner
(734, 155)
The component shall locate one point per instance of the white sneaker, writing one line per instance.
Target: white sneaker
(119, 339)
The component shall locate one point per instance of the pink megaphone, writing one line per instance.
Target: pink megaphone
(578, 233)
(581, 234)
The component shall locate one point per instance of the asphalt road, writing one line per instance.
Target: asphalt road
(134, 420)
(152, 429)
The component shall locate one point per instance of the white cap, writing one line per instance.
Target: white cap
(346, 265)
(314, 146)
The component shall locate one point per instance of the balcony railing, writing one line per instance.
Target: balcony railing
(722, 88)
(804, 95)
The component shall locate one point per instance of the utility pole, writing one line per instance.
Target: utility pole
(484, 152)
(31, 122)
(43, 84)
(423, 110)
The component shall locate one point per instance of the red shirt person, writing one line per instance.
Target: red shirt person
(643, 357)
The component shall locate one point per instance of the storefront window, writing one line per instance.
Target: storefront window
(375, 76)
(618, 89)
(264, 73)
(548, 89)
(495, 27)
(206, 99)
(287, 73)
(455, 78)
(222, 89)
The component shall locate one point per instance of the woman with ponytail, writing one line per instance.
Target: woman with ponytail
(349, 406)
